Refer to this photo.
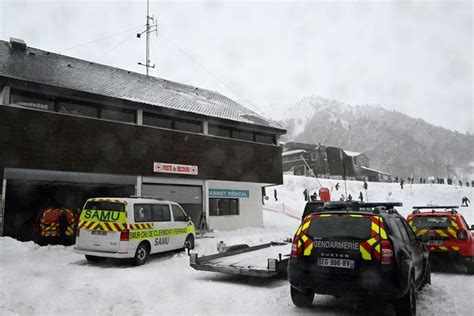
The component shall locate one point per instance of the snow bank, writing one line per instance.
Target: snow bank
(291, 199)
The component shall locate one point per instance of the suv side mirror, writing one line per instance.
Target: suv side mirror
(472, 227)
(424, 238)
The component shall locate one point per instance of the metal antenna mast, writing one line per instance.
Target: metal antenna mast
(149, 28)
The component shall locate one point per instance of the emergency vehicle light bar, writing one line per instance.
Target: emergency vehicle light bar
(355, 204)
(435, 207)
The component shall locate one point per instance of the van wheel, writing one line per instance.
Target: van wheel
(142, 254)
(406, 306)
(189, 242)
(93, 258)
(301, 299)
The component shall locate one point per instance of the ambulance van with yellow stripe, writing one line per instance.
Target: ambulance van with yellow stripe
(132, 228)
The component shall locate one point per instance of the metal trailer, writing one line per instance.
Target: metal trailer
(265, 260)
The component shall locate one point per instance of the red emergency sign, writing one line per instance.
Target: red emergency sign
(174, 168)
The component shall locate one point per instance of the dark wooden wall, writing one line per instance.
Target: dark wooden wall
(45, 140)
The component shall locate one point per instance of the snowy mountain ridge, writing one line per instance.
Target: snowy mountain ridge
(393, 141)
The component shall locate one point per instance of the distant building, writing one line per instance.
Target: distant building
(328, 162)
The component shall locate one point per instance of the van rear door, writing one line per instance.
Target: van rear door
(100, 225)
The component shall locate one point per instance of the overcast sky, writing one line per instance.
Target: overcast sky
(414, 57)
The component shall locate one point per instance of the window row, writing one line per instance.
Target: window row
(230, 132)
(42, 102)
(158, 213)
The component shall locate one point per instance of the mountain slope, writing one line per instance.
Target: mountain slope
(393, 141)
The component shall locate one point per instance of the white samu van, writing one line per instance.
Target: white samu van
(132, 228)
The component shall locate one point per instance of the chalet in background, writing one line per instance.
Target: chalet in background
(328, 162)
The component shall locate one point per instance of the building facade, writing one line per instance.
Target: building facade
(72, 129)
(328, 162)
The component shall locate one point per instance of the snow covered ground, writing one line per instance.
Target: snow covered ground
(53, 280)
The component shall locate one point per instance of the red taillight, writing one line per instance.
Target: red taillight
(125, 235)
(294, 248)
(386, 252)
(462, 234)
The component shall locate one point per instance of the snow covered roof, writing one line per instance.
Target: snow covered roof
(293, 152)
(39, 66)
(375, 170)
(352, 153)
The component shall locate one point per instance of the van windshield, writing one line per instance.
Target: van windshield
(340, 226)
(105, 206)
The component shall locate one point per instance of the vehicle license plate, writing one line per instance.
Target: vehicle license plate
(98, 233)
(336, 263)
(435, 242)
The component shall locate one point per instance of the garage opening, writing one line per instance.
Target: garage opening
(188, 196)
(27, 198)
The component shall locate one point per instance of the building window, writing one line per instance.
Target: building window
(32, 100)
(222, 207)
(78, 109)
(299, 170)
(188, 126)
(157, 120)
(314, 156)
(120, 115)
(217, 130)
(265, 138)
(242, 135)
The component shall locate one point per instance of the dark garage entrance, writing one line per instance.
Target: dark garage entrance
(28, 192)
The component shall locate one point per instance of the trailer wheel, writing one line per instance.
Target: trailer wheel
(142, 254)
(302, 299)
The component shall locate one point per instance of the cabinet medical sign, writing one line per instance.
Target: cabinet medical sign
(174, 168)
(229, 193)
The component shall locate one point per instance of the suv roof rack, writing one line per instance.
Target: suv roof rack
(336, 204)
(374, 207)
(435, 206)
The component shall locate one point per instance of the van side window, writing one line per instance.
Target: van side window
(178, 214)
(142, 213)
(161, 213)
